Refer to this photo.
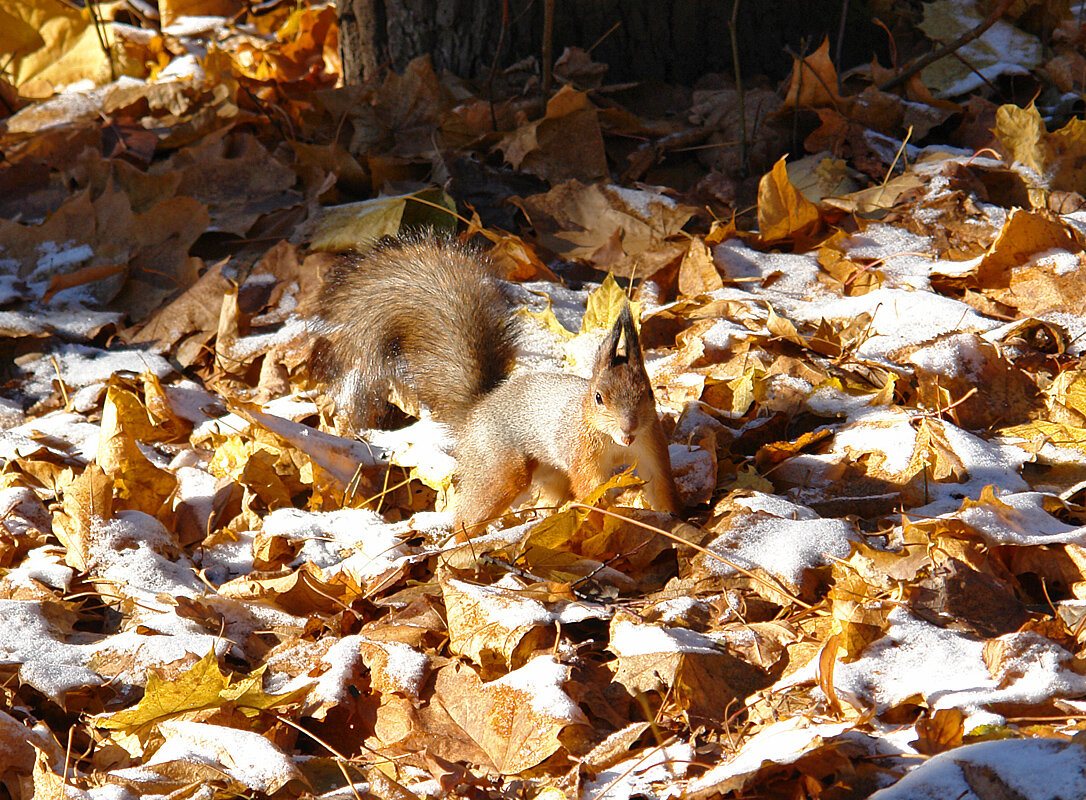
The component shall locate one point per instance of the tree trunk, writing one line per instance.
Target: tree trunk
(676, 41)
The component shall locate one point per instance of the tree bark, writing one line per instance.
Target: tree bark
(676, 41)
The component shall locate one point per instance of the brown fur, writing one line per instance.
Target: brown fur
(430, 317)
(386, 321)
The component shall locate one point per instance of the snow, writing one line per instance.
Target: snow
(187, 66)
(342, 660)
(781, 743)
(68, 106)
(886, 431)
(54, 257)
(162, 639)
(194, 25)
(123, 550)
(191, 402)
(1075, 325)
(44, 564)
(135, 561)
(639, 202)
(195, 487)
(1023, 522)
(245, 756)
(248, 347)
(640, 775)
(1003, 49)
(542, 679)
(80, 365)
(338, 663)
(903, 257)
(225, 560)
(785, 540)
(49, 660)
(723, 335)
(1059, 261)
(1028, 769)
(735, 260)
(406, 667)
(948, 669)
(357, 541)
(954, 356)
(898, 317)
(633, 639)
(497, 605)
(52, 431)
(676, 608)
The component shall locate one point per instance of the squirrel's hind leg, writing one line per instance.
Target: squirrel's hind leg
(483, 497)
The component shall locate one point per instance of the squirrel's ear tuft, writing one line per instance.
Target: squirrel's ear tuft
(622, 343)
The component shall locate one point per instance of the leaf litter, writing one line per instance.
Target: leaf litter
(869, 363)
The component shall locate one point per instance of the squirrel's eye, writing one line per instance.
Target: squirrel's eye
(599, 399)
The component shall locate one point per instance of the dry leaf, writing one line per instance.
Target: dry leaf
(516, 719)
(783, 213)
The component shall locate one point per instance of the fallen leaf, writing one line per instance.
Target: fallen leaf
(203, 686)
(783, 213)
(516, 719)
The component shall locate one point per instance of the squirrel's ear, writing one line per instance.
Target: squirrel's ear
(623, 344)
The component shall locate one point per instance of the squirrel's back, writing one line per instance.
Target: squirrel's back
(426, 316)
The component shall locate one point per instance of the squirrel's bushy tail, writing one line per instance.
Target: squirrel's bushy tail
(426, 316)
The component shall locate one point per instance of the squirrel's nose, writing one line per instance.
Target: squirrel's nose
(624, 439)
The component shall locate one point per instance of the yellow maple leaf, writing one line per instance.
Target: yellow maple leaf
(202, 686)
(605, 304)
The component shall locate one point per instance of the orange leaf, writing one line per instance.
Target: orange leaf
(783, 213)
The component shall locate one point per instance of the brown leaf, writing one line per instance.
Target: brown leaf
(1056, 158)
(858, 618)
(87, 500)
(951, 369)
(1047, 286)
(197, 310)
(934, 453)
(963, 598)
(15, 740)
(1024, 235)
(59, 283)
(576, 221)
(827, 659)
(681, 667)
(160, 264)
(814, 81)
(941, 731)
(783, 213)
(302, 592)
(566, 144)
(698, 273)
(494, 628)
(516, 719)
(139, 484)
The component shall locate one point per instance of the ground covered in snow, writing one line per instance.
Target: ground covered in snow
(876, 411)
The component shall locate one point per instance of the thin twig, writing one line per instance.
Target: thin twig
(739, 88)
(100, 32)
(770, 584)
(548, 51)
(494, 64)
(943, 52)
(840, 42)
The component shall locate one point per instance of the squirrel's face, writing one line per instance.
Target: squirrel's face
(621, 406)
(620, 401)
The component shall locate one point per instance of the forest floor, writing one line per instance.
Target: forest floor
(869, 360)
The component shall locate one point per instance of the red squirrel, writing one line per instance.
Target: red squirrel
(431, 317)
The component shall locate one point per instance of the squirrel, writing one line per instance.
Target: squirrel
(431, 317)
